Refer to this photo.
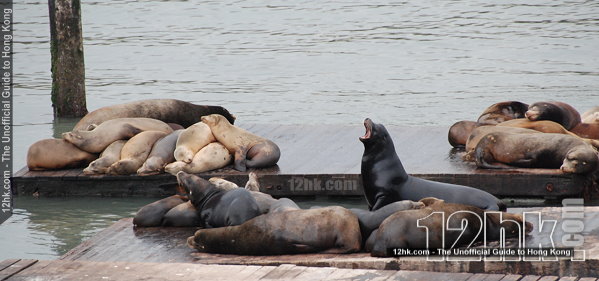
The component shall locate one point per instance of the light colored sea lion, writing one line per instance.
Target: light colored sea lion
(555, 111)
(478, 133)
(250, 151)
(401, 230)
(191, 140)
(547, 126)
(167, 110)
(333, 230)
(252, 184)
(501, 112)
(52, 154)
(135, 152)
(161, 155)
(96, 140)
(591, 116)
(109, 156)
(223, 183)
(211, 157)
(501, 150)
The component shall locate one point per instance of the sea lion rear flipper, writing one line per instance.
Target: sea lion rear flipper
(240, 160)
(130, 131)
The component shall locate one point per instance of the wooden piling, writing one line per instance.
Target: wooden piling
(66, 47)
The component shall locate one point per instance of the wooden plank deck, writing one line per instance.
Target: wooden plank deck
(322, 160)
(85, 270)
(123, 243)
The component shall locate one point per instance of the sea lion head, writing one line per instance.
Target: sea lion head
(427, 201)
(122, 167)
(513, 224)
(152, 166)
(581, 159)
(376, 134)
(502, 111)
(214, 119)
(183, 154)
(95, 167)
(197, 188)
(543, 111)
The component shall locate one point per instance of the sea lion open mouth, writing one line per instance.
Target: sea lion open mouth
(368, 126)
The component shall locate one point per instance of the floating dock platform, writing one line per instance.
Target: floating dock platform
(323, 160)
(122, 252)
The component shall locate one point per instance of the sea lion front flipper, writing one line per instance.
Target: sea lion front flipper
(240, 155)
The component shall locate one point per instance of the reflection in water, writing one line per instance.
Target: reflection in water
(46, 228)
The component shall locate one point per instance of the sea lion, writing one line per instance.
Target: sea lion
(252, 184)
(478, 133)
(153, 213)
(213, 156)
(175, 127)
(109, 156)
(555, 111)
(501, 112)
(547, 126)
(385, 181)
(222, 183)
(191, 140)
(459, 132)
(507, 150)
(584, 130)
(135, 152)
(53, 154)
(182, 215)
(251, 151)
(401, 230)
(332, 230)
(96, 140)
(167, 110)
(370, 220)
(217, 207)
(591, 116)
(161, 155)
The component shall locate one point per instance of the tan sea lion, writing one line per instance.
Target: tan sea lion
(332, 230)
(591, 116)
(212, 156)
(501, 112)
(252, 184)
(546, 126)
(96, 140)
(161, 155)
(401, 230)
(167, 110)
(478, 133)
(52, 154)
(250, 151)
(555, 111)
(507, 150)
(135, 152)
(109, 156)
(222, 183)
(191, 140)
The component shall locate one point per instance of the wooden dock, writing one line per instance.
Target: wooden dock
(130, 271)
(322, 160)
(123, 243)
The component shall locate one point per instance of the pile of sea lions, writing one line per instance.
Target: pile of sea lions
(153, 136)
(245, 221)
(512, 134)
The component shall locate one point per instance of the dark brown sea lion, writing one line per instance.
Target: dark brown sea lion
(167, 110)
(53, 154)
(182, 215)
(401, 230)
(555, 111)
(459, 132)
(585, 130)
(326, 230)
(507, 150)
(385, 180)
(250, 151)
(153, 213)
(501, 112)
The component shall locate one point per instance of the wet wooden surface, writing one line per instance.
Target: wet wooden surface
(84, 270)
(322, 160)
(123, 243)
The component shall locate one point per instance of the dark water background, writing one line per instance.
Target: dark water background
(413, 63)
